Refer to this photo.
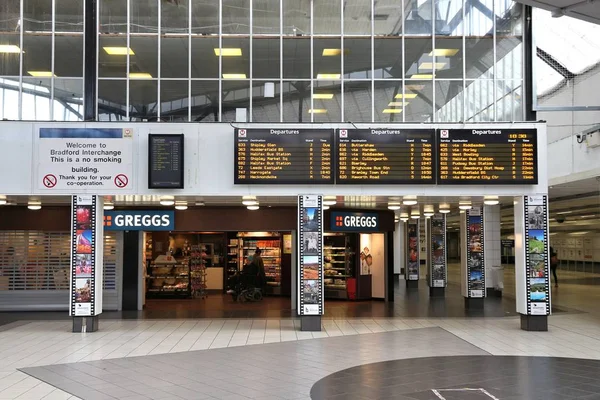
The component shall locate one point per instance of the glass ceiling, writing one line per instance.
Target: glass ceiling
(572, 42)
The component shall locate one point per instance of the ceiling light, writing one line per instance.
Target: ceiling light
(394, 207)
(228, 52)
(34, 205)
(398, 103)
(415, 216)
(317, 111)
(429, 65)
(328, 76)
(200, 204)
(118, 51)
(9, 48)
(325, 207)
(181, 205)
(392, 111)
(334, 52)
(323, 96)
(465, 206)
(3, 201)
(491, 202)
(109, 206)
(167, 202)
(422, 76)
(234, 76)
(253, 208)
(249, 202)
(428, 214)
(409, 202)
(329, 202)
(139, 75)
(444, 210)
(41, 74)
(444, 52)
(403, 219)
(405, 96)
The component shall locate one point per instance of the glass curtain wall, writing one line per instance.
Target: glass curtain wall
(41, 60)
(267, 60)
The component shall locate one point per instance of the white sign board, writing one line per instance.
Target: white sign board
(539, 309)
(84, 160)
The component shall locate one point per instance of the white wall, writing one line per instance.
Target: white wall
(572, 161)
(209, 163)
(576, 247)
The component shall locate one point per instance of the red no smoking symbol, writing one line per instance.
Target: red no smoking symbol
(121, 180)
(50, 181)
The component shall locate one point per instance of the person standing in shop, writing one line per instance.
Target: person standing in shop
(260, 264)
(554, 264)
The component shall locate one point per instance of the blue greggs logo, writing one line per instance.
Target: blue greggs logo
(357, 222)
(139, 220)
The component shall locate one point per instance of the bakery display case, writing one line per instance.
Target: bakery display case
(339, 264)
(270, 244)
(168, 277)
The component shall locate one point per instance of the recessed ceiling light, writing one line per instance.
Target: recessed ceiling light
(139, 75)
(334, 52)
(253, 208)
(444, 210)
(398, 103)
(3, 201)
(422, 76)
(465, 206)
(392, 111)
(429, 65)
(234, 76)
(409, 202)
(118, 51)
(325, 207)
(9, 48)
(323, 96)
(200, 204)
(181, 207)
(317, 111)
(394, 207)
(41, 74)
(228, 52)
(404, 219)
(428, 214)
(328, 76)
(34, 205)
(444, 52)
(406, 96)
(167, 202)
(109, 206)
(415, 216)
(491, 202)
(249, 202)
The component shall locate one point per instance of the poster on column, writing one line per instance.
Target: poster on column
(536, 238)
(83, 248)
(310, 255)
(84, 160)
(413, 262)
(475, 253)
(438, 250)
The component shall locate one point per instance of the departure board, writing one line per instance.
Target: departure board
(165, 161)
(385, 156)
(283, 156)
(487, 156)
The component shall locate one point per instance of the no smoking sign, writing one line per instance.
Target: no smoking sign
(121, 181)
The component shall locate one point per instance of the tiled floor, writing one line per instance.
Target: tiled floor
(343, 343)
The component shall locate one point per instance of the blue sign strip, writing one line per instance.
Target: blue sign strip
(354, 222)
(139, 220)
(81, 133)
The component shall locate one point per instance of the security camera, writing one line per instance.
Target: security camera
(578, 136)
(560, 219)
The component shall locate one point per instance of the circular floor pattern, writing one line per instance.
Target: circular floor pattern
(465, 378)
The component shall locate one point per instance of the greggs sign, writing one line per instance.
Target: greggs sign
(139, 220)
(357, 222)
